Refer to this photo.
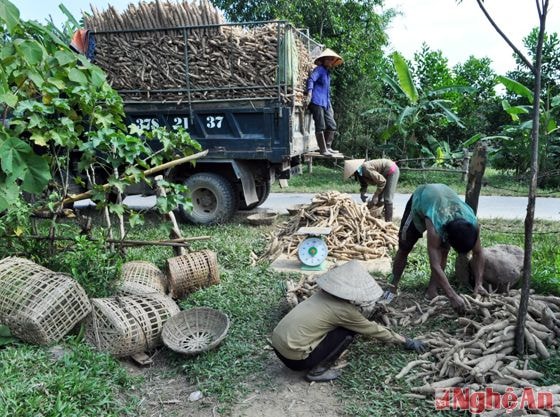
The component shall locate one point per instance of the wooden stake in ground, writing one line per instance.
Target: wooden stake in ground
(175, 230)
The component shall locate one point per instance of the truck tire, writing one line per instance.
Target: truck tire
(263, 191)
(212, 197)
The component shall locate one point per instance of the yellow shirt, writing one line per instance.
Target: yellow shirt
(303, 328)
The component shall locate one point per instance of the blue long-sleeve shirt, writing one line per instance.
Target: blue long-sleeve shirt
(319, 83)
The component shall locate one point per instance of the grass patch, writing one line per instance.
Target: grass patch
(329, 178)
(81, 382)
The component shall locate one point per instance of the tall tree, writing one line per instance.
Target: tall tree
(536, 69)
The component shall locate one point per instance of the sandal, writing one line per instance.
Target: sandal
(328, 375)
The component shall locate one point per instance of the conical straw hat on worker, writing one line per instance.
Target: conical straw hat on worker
(332, 54)
(351, 282)
(351, 165)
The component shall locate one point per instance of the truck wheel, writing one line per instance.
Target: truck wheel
(212, 197)
(263, 191)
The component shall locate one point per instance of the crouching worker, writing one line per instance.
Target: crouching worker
(382, 173)
(316, 332)
(449, 223)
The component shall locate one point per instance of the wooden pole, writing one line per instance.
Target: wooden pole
(151, 171)
(477, 167)
(175, 232)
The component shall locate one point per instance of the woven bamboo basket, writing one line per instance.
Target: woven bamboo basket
(38, 305)
(192, 271)
(195, 330)
(141, 277)
(126, 325)
(261, 219)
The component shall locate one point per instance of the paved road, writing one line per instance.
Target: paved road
(488, 206)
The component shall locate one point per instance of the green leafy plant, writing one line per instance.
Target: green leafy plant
(62, 125)
(90, 263)
(415, 112)
(512, 147)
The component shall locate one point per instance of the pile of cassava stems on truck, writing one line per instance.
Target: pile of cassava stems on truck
(236, 88)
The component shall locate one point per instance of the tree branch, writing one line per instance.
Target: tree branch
(505, 38)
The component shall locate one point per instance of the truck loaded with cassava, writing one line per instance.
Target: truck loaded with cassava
(236, 88)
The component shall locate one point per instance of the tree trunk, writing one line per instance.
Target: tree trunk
(529, 219)
(477, 167)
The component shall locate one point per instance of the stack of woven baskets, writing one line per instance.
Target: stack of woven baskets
(41, 306)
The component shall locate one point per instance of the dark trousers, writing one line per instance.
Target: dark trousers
(323, 118)
(331, 347)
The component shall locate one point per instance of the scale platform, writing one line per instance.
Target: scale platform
(292, 265)
(314, 231)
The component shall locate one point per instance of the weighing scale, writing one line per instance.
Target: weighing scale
(313, 250)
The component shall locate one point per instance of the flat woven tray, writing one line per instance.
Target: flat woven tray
(192, 271)
(141, 277)
(127, 325)
(195, 330)
(38, 305)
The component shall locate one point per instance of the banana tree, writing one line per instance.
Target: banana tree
(416, 115)
(514, 149)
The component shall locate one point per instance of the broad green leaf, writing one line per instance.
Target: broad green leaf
(98, 77)
(32, 51)
(9, 99)
(14, 151)
(65, 57)
(39, 139)
(551, 126)
(452, 117)
(116, 209)
(60, 84)
(472, 140)
(9, 192)
(37, 175)
(105, 120)
(9, 14)
(36, 78)
(77, 76)
(516, 87)
(405, 78)
(135, 219)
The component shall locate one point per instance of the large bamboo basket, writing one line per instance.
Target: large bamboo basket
(141, 277)
(192, 271)
(127, 325)
(38, 305)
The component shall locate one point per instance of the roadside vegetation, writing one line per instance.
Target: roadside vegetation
(327, 176)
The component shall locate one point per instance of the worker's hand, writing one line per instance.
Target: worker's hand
(480, 290)
(387, 297)
(458, 304)
(307, 100)
(374, 200)
(363, 197)
(416, 345)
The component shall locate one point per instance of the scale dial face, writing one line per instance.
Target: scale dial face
(312, 251)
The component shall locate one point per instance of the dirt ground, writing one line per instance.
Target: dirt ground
(165, 393)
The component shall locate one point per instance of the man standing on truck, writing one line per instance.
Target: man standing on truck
(318, 98)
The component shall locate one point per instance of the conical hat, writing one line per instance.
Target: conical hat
(329, 52)
(351, 282)
(351, 165)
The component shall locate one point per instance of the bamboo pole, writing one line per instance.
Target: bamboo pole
(151, 171)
